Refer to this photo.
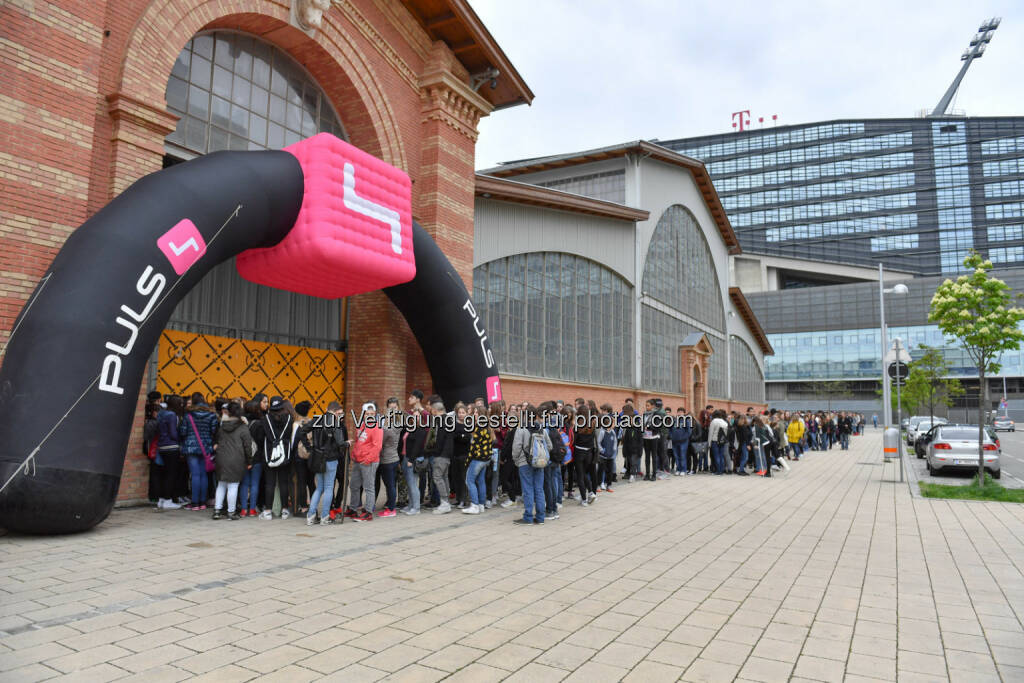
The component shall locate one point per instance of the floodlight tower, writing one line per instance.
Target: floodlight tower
(974, 51)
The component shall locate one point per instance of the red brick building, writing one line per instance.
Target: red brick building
(86, 110)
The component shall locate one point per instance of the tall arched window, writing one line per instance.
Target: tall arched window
(558, 316)
(680, 271)
(234, 91)
(747, 378)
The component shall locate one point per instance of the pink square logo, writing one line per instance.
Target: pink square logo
(182, 245)
(493, 389)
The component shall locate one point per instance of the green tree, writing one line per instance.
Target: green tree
(977, 310)
(832, 389)
(930, 371)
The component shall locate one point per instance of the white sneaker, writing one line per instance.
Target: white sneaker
(285, 514)
(443, 509)
(168, 504)
(411, 511)
(632, 479)
(488, 504)
(592, 497)
(507, 504)
(583, 503)
(266, 514)
(182, 501)
(464, 506)
(559, 505)
(473, 509)
(310, 521)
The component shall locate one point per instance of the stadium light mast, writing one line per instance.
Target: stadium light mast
(974, 51)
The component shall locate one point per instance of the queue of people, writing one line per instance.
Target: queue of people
(265, 456)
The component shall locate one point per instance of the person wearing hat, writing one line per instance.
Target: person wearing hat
(365, 459)
(274, 434)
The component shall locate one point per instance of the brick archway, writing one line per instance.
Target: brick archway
(139, 109)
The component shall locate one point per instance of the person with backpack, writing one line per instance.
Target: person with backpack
(679, 434)
(197, 434)
(608, 450)
(274, 431)
(480, 446)
(553, 472)
(169, 452)
(718, 440)
(651, 438)
(698, 451)
(234, 458)
(744, 435)
(326, 440)
(762, 439)
(531, 451)
(304, 481)
(249, 489)
(845, 430)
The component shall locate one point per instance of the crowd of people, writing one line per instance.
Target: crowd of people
(266, 456)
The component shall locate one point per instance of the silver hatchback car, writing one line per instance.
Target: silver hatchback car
(1003, 423)
(955, 447)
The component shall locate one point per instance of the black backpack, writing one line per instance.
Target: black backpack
(557, 445)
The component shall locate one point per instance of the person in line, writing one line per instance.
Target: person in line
(480, 447)
(438, 447)
(197, 434)
(365, 458)
(608, 450)
(584, 454)
(169, 452)
(461, 438)
(234, 459)
(651, 437)
(327, 443)
(718, 440)
(632, 441)
(304, 479)
(274, 434)
(744, 436)
(679, 434)
(415, 466)
(389, 460)
(531, 478)
(795, 432)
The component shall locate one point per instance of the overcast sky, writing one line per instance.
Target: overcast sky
(605, 72)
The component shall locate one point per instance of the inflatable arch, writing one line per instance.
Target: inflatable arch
(321, 218)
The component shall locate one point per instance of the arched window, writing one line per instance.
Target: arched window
(558, 316)
(680, 271)
(747, 378)
(235, 91)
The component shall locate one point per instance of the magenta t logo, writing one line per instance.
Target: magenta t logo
(182, 245)
(493, 389)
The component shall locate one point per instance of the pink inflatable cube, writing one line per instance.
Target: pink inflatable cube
(354, 230)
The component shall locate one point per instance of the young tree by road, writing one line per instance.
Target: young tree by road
(977, 310)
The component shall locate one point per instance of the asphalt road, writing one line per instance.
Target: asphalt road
(1011, 462)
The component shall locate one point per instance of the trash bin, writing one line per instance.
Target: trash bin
(891, 443)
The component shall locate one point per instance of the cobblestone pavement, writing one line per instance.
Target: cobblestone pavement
(831, 572)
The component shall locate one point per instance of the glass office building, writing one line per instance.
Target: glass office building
(914, 194)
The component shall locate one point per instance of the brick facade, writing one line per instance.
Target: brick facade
(83, 115)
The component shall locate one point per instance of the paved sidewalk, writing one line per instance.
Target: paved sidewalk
(832, 572)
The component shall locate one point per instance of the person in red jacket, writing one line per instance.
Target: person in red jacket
(365, 458)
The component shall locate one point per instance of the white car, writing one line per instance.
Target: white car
(1003, 424)
(920, 425)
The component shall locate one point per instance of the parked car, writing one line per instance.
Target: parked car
(1003, 424)
(904, 423)
(955, 447)
(920, 425)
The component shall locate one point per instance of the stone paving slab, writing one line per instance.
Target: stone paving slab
(833, 571)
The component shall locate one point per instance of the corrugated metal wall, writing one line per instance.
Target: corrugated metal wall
(505, 229)
(225, 304)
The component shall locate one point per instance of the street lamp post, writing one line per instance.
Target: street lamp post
(882, 291)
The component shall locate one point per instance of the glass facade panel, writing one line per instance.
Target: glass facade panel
(890, 242)
(610, 186)
(855, 354)
(557, 316)
(747, 378)
(679, 270)
(226, 97)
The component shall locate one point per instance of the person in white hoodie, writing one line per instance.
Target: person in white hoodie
(718, 438)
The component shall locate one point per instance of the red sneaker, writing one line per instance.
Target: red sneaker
(351, 514)
(364, 516)
(607, 490)
(243, 513)
(253, 513)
